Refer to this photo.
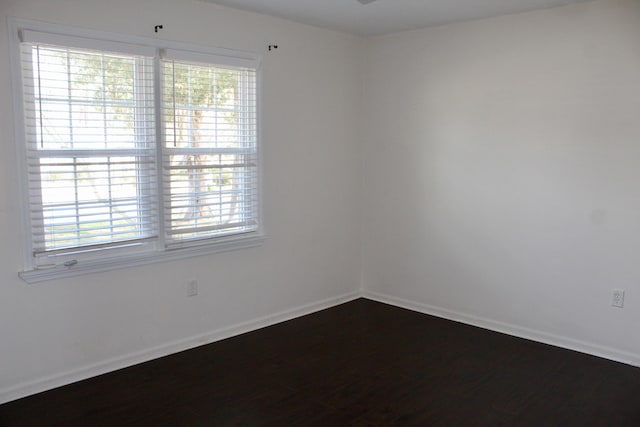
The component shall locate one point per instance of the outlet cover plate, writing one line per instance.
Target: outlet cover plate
(192, 288)
(617, 298)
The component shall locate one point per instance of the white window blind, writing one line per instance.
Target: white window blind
(210, 150)
(130, 152)
(90, 136)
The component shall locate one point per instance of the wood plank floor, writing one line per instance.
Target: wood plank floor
(359, 364)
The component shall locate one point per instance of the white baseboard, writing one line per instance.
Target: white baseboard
(32, 387)
(509, 329)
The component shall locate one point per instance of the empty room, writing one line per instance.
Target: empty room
(319, 213)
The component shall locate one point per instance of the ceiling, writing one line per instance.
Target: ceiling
(386, 16)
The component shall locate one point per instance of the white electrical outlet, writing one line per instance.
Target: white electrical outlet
(617, 298)
(192, 288)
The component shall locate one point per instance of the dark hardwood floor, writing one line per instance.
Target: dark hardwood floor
(359, 364)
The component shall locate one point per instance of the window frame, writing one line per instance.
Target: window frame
(99, 40)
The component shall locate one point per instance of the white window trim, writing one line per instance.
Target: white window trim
(207, 247)
(116, 263)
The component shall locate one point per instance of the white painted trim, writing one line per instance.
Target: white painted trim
(102, 265)
(509, 329)
(18, 122)
(156, 43)
(57, 380)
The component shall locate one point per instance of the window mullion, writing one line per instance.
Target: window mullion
(146, 174)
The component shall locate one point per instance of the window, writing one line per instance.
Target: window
(209, 151)
(134, 151)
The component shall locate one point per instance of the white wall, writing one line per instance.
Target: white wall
(502, 171)
(55, 332)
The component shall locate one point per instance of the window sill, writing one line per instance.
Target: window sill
(61, 272)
